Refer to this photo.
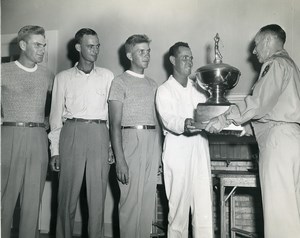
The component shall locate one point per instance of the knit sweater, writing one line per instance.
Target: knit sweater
(24, 92)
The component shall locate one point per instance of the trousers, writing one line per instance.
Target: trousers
(187, 177)
(279, 171)
(137, 200)
(83, 150)
(24, 162)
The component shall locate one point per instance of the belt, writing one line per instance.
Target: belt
(23, 124)
(139, 127)
(98, 121)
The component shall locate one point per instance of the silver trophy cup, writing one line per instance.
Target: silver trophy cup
(216, 78)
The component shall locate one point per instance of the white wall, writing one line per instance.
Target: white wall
(165, 22)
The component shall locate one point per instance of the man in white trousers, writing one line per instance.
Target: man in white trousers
(186, 160)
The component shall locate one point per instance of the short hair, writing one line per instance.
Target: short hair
(29, 30)
(135, 39)
(84, 31)
(175, 48)
(274, 30)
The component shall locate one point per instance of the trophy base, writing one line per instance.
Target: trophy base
(206, 111)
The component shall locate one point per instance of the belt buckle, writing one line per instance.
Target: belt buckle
(20, 124)
(139, 127)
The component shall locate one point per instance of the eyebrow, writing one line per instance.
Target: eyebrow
(39, 44)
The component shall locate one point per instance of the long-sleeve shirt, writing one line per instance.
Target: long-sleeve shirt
(78, 95)
(276, 94)
(175, 103)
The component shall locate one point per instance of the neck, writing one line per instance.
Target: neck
(181, 79)
(25, 62)
(85, 66)
(137, 70)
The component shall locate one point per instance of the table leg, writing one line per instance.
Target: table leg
(222, 211)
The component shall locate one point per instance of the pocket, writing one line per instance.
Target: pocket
(75, 100)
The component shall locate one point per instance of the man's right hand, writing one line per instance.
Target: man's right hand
(55, 163)
(122, 171)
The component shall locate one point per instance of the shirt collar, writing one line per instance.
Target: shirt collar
(80, 71)
(189, 81)
(30, 70)
(135, 74)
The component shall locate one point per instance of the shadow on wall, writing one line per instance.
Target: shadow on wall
(252, 59)
(123, 60)
(13, 52)
(167, 64)
(72, 53)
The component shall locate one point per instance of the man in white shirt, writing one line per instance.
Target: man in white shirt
(186, 157)
(79, 136)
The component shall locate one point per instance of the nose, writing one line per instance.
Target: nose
(95, 50)
(43, 49)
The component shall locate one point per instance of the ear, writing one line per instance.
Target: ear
(78, 47)
(268, 39)
(22, 45)
(129, 56)
(172, 59)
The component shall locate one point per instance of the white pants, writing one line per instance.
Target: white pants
(187, 178)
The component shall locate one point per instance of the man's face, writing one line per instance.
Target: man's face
(261, 48)
(140, 55)
(183, 61)
(34, 48)
(89, 48)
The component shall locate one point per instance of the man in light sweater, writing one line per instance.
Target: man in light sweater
(135, 140)
(24, 145)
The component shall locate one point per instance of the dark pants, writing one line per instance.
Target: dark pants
(24, 161)
(83, 149)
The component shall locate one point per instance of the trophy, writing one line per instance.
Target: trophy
(215, 78)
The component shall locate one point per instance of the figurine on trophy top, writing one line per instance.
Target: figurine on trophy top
(216, 78)
(218, 56)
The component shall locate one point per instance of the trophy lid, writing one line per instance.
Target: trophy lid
(218, 67)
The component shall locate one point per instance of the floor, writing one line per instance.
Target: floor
(15, 235)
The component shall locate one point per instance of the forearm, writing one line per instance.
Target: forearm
(116, 141)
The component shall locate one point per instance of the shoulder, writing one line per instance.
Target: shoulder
(281, 60)
(65, 73)
(120, 78)
(44, 70)
(8, 66)
(104, 72)
(165, 88)
(152, 81)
